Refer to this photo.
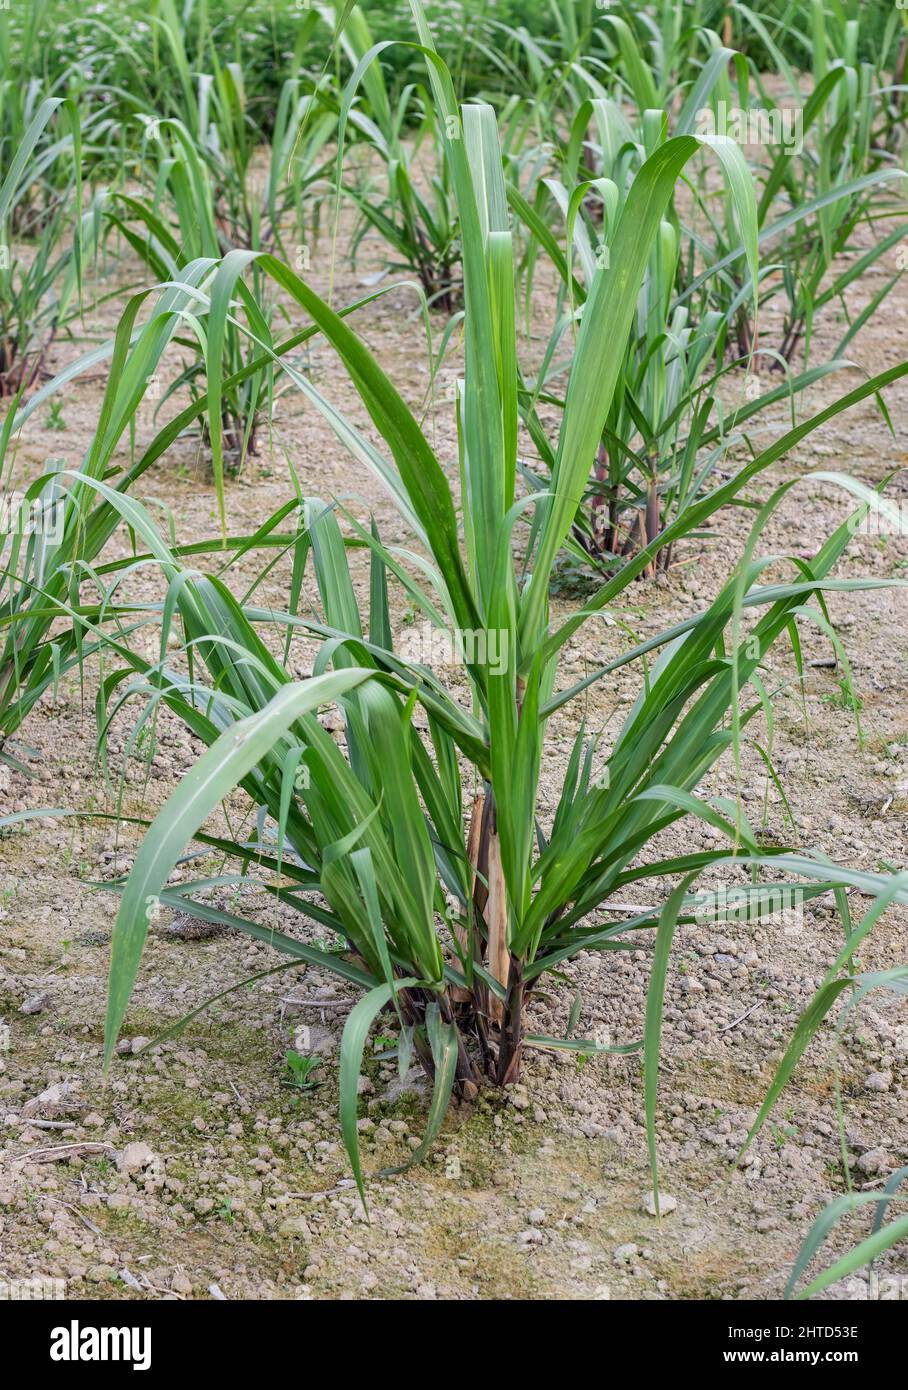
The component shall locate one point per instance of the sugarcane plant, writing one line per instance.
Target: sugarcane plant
(424, 842)
(54, 526)
(39, 284)
(824, 176)
(202, 193)
(186, 191)
(248, 208)
(649, 463)
(667, 434)
(413, 211)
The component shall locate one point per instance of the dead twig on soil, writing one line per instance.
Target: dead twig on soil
(318, 1003)
(26, 1123)
(343, 1186)
(89, 1225)
(752, 1010)
(63, 1151)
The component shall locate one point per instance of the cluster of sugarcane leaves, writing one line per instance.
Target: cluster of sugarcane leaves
(375, 842)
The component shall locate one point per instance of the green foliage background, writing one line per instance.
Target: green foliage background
(263, 34)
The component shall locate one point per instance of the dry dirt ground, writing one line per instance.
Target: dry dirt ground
(240, 1183)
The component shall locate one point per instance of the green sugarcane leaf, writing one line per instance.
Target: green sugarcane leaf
(443, 1043)
(652, 1032)
(353, 1041)
(206, 784)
